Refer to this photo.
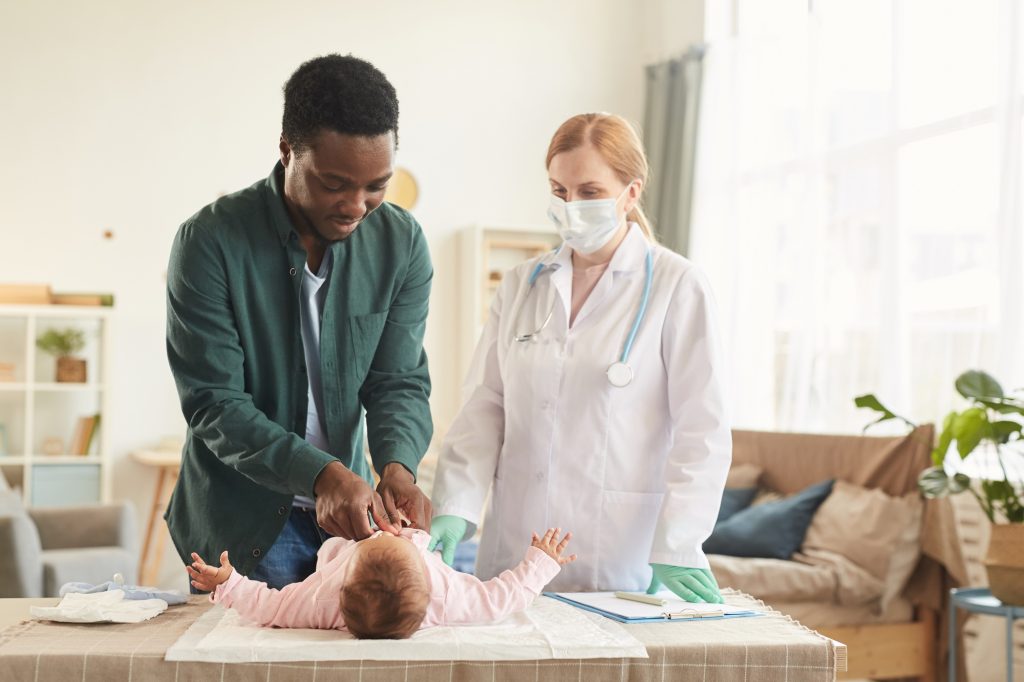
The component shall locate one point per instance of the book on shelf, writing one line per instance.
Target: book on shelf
(84, 435)
(84, 299)
(25, 294)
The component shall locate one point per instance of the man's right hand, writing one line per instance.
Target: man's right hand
(343, 500)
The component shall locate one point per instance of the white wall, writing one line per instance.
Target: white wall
(670, 27)
(127, 117)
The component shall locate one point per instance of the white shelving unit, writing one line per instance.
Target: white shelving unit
(34, 407)
(485, 255)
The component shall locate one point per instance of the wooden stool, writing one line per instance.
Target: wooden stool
(167, 463)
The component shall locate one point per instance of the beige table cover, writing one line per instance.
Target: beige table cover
(769, 647)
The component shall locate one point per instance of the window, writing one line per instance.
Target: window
(857, 202)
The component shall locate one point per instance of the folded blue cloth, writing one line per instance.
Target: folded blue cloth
(130, 591)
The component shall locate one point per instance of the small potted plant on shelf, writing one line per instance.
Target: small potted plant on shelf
(990, 425)
(64, 344)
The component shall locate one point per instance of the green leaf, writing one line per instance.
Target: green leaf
(1002, 430)
(1005, 406)
(959, 483)
(978, 385)
(945, 439)
(870, 402)
(969, 428)
(997, 491)
(933, 482)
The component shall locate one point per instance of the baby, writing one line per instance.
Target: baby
(385, 587)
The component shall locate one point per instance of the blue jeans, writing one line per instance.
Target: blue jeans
(292, 557)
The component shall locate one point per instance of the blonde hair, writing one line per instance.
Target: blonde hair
(618, 144)
(385, 598)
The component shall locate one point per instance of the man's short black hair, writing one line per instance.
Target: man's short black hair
(340, 93)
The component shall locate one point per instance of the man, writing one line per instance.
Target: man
(292, 307)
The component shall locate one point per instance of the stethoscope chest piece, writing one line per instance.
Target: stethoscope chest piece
(620, 374)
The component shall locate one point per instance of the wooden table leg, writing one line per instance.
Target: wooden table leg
(144, 565)
(161, 538)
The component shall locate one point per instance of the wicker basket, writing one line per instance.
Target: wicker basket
(1005, 563)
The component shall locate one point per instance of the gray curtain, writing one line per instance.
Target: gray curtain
(670, 136)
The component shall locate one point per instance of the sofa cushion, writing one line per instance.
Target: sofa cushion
(88, 565)
(735, 500)
(20, 571)
(879, 533)
(774, 530)
(743, 476)
(824, 578)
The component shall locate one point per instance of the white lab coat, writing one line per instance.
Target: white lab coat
(636, 473)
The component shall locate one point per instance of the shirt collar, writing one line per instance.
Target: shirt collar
(629, 257)
(275, 200)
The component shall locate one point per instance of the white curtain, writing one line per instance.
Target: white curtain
(857, 203)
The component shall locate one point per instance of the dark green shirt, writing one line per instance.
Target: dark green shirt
(234, 343)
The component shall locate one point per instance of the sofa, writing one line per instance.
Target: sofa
(891, 616)
(43, 548)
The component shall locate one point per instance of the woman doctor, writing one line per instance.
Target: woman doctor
(594, 402)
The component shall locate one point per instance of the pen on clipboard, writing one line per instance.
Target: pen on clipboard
(685, 613)
(642, 598)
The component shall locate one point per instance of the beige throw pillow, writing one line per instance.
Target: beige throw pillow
(879, 533)
(743, 476)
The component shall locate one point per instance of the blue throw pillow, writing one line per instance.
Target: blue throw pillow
(735, 500)
(774, 530)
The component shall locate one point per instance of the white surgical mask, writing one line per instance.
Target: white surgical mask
(586, 225)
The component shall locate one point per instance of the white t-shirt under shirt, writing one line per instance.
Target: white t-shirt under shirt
(314, 293)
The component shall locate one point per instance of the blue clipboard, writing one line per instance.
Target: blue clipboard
(676, 617)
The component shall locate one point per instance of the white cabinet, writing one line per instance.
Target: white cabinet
(485, 255)
(39, 416)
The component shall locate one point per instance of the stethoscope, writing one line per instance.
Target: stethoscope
(620, 374)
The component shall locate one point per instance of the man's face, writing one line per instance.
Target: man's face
(332, 184)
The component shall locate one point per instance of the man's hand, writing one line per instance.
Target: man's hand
(206, 577)
(399, 491)
(343, 500)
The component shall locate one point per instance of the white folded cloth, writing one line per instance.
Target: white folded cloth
(100, 607)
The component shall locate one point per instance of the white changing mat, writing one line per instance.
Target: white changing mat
(548, 629)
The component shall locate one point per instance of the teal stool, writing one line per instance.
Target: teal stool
(980, 600)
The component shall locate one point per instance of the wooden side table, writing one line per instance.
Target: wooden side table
(167, 463)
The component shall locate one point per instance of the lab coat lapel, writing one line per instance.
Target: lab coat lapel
(561, 280)
(625, 262)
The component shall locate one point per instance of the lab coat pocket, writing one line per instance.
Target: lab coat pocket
(365, 331)
(626, 535)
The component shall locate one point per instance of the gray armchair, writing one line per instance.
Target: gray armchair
(41, 549)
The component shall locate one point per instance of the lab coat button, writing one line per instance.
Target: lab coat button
(281, 511)
(256, 553)
(540, 476)
(292, 271)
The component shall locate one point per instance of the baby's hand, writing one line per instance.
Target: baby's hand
(550, 545)
(204, 576)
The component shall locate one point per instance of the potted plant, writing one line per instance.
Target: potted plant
(992, 422)
(64, 344)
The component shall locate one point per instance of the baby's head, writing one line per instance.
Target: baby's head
(386, 593)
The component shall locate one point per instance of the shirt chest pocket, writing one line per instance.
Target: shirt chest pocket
(364, 333)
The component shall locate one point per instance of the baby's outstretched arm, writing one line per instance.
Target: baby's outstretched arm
(471, 600)
(290, 607)
(206, 577)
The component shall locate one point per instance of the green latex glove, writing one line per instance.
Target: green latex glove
(694, 585)
(448, 532)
